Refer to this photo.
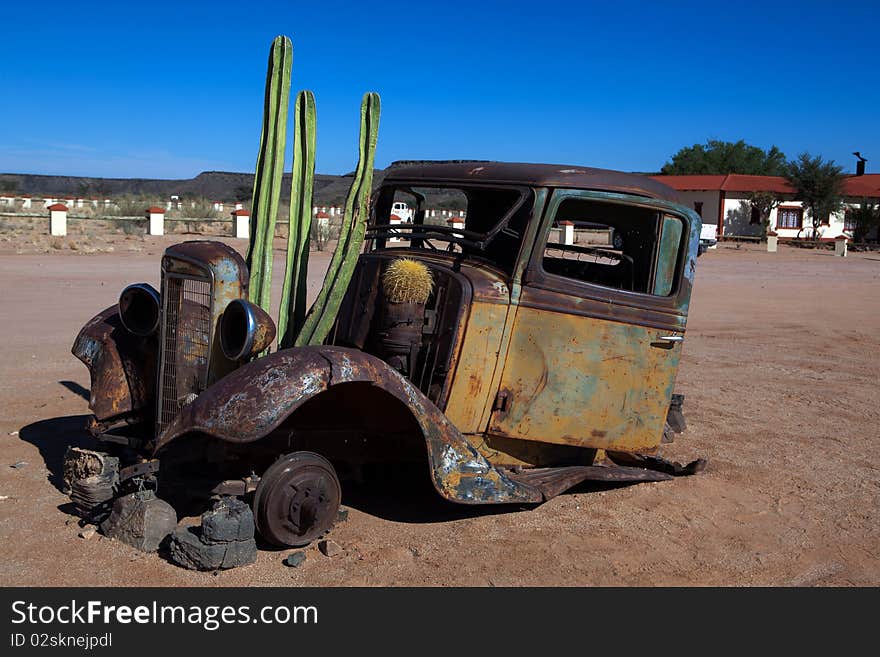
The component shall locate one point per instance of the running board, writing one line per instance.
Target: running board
(553, 481)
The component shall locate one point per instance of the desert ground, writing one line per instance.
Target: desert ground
(780, 371)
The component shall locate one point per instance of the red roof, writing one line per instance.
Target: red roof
(241, 213)
(736, 182)
(732, 182)
(865, 185)
(58, 206)
(692, 183)
(154, 210)
(394, 216)
(322, 215)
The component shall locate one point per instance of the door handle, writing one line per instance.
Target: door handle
(667, 341)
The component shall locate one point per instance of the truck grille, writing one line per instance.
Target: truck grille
(186, 339)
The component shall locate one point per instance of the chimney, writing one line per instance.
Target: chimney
(860, 165)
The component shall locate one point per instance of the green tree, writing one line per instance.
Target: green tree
(864, 218)
(762, 203)
(818, 184)
(723, 157)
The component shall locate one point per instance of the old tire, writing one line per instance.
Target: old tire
(297, 499)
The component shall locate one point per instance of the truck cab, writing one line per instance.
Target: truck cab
(544, 354)
(538, 337)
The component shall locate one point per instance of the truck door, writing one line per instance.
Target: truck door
(597, 336)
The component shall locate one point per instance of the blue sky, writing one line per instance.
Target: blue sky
(169, 89)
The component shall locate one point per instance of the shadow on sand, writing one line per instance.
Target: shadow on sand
(401, 494)
(76, 389)
(52, 437)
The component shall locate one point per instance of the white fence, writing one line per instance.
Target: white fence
(62, 209)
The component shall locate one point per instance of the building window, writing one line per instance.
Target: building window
(698, 207)
(849, 220)
(790, 218)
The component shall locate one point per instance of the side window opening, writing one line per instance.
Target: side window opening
(616, 246)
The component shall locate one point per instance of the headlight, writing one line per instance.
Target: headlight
(245, 330)
(139, 309)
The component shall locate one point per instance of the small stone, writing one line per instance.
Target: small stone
(18, 464)
(88, 532)
(329, 548)
(295, 559)
(342, 514)
(13, 433)
(4, 497)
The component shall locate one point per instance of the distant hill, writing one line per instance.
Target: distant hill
(223, 186)
(212, 185)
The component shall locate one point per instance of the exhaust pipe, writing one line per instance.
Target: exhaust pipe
(245, 330)
(139, 309)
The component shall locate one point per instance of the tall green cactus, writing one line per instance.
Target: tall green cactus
(270, 169)
(292, 312)
(323, 312)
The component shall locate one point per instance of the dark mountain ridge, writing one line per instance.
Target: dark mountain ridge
(212, 185)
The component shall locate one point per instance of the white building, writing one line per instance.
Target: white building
(723, 202)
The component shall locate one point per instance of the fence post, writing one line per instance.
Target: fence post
(322, 228)
(242, 220)
(456, 223)
(772, 242)
(156, 216)
(394, 219)
(567, 232)
(58, 219)
(840, 245)
(26, 202)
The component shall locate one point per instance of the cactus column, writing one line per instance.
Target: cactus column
(270, 169)
(354, 222)
(292, 312)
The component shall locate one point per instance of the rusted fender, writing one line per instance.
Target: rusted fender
(249, 403)
(122, 366)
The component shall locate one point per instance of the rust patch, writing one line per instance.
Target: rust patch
(255, 399)
(122, 366)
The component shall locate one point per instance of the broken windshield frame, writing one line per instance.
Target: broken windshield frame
(420, 233)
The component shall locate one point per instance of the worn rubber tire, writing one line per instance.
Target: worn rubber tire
(297, 499)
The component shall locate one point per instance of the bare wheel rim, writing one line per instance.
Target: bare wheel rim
(297, 499)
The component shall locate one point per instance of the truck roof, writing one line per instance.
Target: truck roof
(539, 175)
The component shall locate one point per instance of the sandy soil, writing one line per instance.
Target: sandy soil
(780, 372)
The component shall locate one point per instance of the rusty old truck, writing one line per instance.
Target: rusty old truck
(544, 356)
